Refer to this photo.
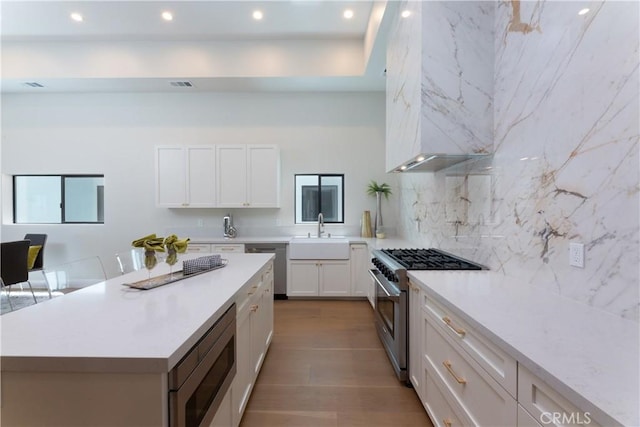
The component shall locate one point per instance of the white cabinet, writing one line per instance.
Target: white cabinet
(254, 330)
(327, 278)
(198, 248)
(416, 345)
(545, 405)
(464, 383)
(491, 358)
(360, 278)
(225, 248)
(248, 176)
(185, 176)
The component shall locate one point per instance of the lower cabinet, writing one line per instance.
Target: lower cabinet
(360, 278)
(254, 331)
(325, 278)
(464, 379)
(223, 248)
(464, 383)
(198, 248)
(545, 406)
(416, 345)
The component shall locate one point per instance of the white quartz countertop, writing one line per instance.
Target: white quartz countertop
(590, 356)
(374, 243)
(109, 327)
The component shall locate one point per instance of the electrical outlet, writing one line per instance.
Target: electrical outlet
(576, 254)
(200, 222)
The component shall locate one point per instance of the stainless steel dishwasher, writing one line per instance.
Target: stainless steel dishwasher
(279, 265)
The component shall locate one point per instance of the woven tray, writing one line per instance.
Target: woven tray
(168, 278)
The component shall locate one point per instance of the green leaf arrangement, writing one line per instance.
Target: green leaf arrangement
(383, 188)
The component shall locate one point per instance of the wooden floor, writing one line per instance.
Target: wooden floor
(326, 367)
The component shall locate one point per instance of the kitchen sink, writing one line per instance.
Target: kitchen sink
(319, 248)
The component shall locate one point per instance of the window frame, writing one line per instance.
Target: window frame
(320, 176)
(62, 177)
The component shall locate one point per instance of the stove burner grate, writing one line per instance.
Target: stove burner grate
(429, 259)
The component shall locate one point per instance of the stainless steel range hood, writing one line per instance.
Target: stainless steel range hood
(436, 162)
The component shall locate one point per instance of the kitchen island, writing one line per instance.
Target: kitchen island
(101, 355)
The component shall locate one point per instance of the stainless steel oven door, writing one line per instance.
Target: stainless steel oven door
(391, 322)
(203, 377)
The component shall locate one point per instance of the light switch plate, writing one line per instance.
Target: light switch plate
(576, 254)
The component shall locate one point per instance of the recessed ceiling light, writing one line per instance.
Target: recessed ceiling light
(76, 17)
(583, 11)
(167, 16)
(257, 15)
(348, 14)
(405, 13)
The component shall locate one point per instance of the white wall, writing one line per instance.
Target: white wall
(115, 134)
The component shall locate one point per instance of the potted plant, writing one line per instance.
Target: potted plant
(378, 190)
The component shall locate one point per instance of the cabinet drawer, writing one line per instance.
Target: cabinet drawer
(525, 419)
(199, 247)
(440, 410)
(236, 247)
(484, 401)
(547, 405)
(497, 363)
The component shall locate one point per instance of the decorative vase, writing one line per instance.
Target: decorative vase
(366, 224)
(379, 232)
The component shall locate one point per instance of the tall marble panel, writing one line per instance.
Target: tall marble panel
(566, 158)
(403, 84)
(457, 77)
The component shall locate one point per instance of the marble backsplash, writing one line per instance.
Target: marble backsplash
(566, 160)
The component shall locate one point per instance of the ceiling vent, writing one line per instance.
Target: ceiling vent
(181, 84)
(32, 84)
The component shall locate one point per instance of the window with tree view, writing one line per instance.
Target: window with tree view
(319, 193)
(58, 199)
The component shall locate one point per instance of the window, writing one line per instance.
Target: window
(319, 194)
(58, 199)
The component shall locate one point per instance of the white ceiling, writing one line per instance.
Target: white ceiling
(47, 21)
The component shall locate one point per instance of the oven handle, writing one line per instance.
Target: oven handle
(393, 295)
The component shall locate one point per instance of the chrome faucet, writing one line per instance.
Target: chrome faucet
(320, 224)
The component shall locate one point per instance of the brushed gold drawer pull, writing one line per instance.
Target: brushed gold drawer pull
(450, 324)
(447, 422)
(447, 365)
(254, 308)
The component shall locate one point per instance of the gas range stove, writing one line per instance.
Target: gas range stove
(391, 294)
(393, 264)
(429, 259)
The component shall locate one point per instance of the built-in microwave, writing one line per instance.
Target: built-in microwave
(199, 382)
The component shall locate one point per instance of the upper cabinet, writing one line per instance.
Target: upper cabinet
(217, 176)
(440, 65)
(185, 176)
(248, 176)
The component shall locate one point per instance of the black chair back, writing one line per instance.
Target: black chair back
(37, 240)
(13, 262)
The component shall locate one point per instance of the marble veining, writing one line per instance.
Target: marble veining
(565, 165)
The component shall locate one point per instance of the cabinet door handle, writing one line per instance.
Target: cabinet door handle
(450, 324)
(447, 422)
(254, 307)
(449, 367)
